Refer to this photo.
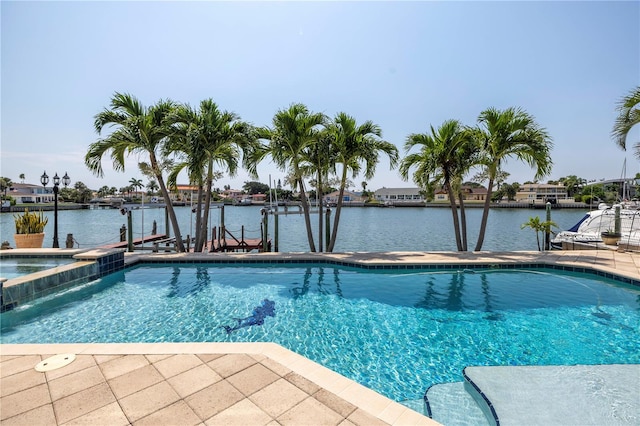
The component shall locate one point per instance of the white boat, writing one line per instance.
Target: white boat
(246, 201)
(590, 228)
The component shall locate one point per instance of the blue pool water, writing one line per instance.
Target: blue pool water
(18, 267)
(397, 332)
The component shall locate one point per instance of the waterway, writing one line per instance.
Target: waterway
(361, 228)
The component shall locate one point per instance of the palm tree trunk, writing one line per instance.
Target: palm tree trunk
(202, 230)
(336, 219)
(307, 218)
(204, 225)
(463, 222)
(319, 200)
(169, 205)
(454, 212)
(198, 237)
(485, 216)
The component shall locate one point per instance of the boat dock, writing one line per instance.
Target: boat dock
(155, 238)
(224, 240)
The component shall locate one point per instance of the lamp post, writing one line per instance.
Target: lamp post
(44, 179)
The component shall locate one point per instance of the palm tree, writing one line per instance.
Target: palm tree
(135, 184)
(139, 130)
(204, 139)
(510, 133)
(445, 156)
(104, 190)
(152, 186)
(356, 147)
(5, 183)
(294, 131)
(573, 184)
(22, 177)
(628, 116)
(539, 227)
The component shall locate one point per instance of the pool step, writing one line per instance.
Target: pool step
(452, 405)
(416, 405)
(541, 395)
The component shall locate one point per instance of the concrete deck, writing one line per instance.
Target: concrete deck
(221, 383)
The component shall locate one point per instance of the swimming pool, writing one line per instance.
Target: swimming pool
(20, 266)
(395, 331)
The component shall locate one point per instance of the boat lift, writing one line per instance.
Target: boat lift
(276, 212)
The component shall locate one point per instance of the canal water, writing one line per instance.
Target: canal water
(361, 228)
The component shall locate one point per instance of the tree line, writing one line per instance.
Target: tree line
(208, 143)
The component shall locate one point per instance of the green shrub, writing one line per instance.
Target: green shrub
(30, 223)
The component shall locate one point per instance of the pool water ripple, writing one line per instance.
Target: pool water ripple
(395, 333)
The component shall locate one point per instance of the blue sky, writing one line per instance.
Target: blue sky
(403, 65)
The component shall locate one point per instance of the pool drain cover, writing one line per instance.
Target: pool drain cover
(55, 362)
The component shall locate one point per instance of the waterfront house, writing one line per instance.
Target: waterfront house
(347, 198)
(540, 193)
(183, 193)
(399, 196)
(469, 193)
(233, 194)
(24, 193)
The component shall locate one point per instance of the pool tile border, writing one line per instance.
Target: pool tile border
(521, 260)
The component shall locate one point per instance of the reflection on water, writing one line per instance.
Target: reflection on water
(190, 285)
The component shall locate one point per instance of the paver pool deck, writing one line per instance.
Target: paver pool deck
(227, 383)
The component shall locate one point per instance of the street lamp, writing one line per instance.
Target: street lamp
(44, 180)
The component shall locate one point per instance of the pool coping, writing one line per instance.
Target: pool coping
(620, 266)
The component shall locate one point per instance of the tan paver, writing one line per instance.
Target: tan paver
(278, 397)
(26, 400)
(177, 364)
(242, 413)
(252, 379)
(123, 365)
(310, 411)
(362, 418)
(303, 383)
(178, 412)
(135, 381)
(214, 399)
(334, 402)
(148, 401)
(75, 382)
(81, 362)
(20, 381)
(110, 414)
(230, 364)
(83, 402)
(18, 365)
(38, 416)
(191, 381)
